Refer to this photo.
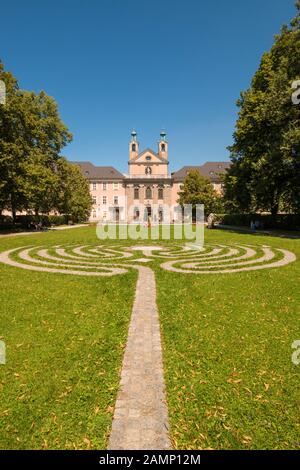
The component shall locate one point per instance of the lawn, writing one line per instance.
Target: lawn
(231, 383)
(65, 337)
(227, 338)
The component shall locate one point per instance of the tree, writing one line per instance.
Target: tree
(31, 138)
(197, 189)
(41, 184)
(265, 170)
(73, 197)
(10, 151)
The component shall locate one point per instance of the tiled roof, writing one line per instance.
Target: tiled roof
(91, 171)
(210, 170)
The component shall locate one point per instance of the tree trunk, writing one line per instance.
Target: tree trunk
(13, 210)
(274, 212)
(14, 215)
(274, 209)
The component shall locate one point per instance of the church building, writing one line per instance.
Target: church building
(147, 189)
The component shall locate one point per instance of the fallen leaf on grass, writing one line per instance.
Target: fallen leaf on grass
(45, 444)
(234, 381)
(87, 442)
(246, 440)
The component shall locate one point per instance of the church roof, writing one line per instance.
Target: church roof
(211, 170)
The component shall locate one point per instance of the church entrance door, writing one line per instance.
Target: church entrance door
(148, 213)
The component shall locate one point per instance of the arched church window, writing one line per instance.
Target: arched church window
(160, 193)
(163, 147)
(133, 147)
(148, 170)
(148, 192)
(136, 193)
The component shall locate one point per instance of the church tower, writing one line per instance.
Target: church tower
(163, 146)
(133, 146)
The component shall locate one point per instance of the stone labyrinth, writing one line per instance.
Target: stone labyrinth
(141, 416)
(108, 261)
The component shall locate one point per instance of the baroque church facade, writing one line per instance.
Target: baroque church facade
(148, 190)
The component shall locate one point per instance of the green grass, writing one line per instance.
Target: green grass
(231, 383)
(65, 337)
(227, 340)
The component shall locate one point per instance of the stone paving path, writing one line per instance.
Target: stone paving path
(141, 417)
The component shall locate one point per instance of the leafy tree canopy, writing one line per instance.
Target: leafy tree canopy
(32, 136)
(265, 171)
(197, 189)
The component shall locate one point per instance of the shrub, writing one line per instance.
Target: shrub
(28, 220)
(280, 221)
(5, 221)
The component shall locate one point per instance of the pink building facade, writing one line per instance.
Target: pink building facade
(148, 190)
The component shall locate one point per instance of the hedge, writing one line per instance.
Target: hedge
(266, 221)
(28, 221)
(45, 220)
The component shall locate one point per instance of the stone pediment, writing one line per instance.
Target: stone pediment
(148, 156)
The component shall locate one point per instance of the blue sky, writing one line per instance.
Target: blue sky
(149, 64)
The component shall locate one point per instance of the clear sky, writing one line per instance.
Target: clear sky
(117, 64)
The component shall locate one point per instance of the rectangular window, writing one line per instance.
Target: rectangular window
(104, 186)
(116, 200)
(94, 200)
(160, 193)
(94, 186)
(94, 214)
(136, 193)
(116, 185)
(104, 200)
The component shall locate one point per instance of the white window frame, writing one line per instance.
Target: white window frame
(104, 200)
